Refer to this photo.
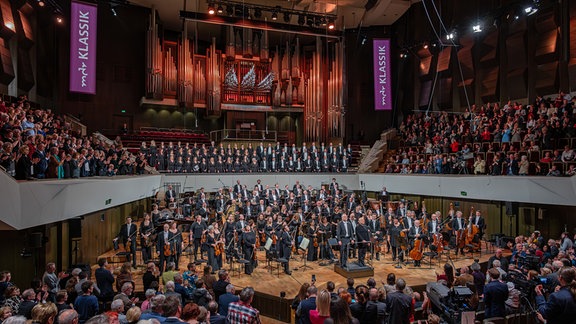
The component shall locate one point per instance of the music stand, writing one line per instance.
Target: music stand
(304, 246)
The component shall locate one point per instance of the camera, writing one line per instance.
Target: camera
(313, 278)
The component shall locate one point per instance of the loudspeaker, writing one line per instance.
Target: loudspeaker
(511, 208)
(35, 240)
(75, 228)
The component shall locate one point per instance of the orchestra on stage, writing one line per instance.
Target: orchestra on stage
(326, 224)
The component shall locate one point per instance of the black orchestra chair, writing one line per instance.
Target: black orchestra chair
(431, 254)
(281, 262)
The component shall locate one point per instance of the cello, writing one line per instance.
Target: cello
(416, 252)
(472, 231)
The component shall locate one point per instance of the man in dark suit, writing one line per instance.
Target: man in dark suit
(196, 230)
(414, 234)
(237, 187)
(215, 316)
(375, 230)
(478, 220)
(227, 298)
(561, 305)
(458, 223)
(170, 195)
(286, 244)
(495, 295)
(127, 236)
(433, 225)
(308, 304)
(104, 281)
(164, 239)
(399, 305)
(363, 239)
(248, 243)
(345, 236)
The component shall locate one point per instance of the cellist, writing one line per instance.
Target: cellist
(416, 233)
(458, 226)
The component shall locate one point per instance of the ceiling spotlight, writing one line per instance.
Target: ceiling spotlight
(257, 13)
(529, 11)
(425, 46)
(286, 17)
(59, 19)
(323, 21)
(310, 21)
(331, 24)
(41, 3)
(220, 9)
(211, 9)
(450, 36)
(477, 28)
(301, 20)
(114, 13)
(274, 16)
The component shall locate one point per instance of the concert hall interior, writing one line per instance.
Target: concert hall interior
(287, 145)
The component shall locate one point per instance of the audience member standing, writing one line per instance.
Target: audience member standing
(241, 312)
(495, 295)
(399, 305)
(86, 304)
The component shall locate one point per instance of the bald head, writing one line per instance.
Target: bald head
(68, 316)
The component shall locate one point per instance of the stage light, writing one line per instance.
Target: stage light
(211, 10)
(257, 13)
(331, 24)
(220, 9)
(310, 21)
(286, 17)
(425, 46)
(323, 21)
(41, 3)
(529, 10)
(301, 20)
(450, 36)
(477, 28)
(274, 16)
(59, 19)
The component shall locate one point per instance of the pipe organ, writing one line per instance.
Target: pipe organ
(304, 74)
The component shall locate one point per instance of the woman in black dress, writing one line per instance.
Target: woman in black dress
(176, 243)
(312, 235)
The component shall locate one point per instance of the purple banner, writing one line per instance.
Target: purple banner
(83, 25)
(382, 75)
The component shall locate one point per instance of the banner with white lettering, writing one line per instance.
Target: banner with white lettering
(83, 25)
(382, 75)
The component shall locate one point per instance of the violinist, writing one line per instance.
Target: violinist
(458, 226)
(269, 227)
(415, 233)
(211, 242)
(127, 236)
(163, 247)
(374, 225)
(220, 241)
(240, 224)
(286, 243)
(394, 232)
(433, 225)
(248, 244)
(177, 243)
(362, 239)
(478, 220)
(312, 235)
(146, 238)
(196, 230)
(325, 233)
(408, 220)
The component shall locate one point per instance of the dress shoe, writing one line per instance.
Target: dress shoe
(288, 272)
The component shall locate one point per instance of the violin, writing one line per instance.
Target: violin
(167, 249)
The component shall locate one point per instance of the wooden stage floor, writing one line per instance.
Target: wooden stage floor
(272, 283)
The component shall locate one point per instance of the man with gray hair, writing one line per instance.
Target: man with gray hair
(124, 295)
(215, 317)
(170, 291)
(155, 311)
(52, 280)
(117, 307)
(241, 311)
(179, 288)
(226, 299)
(68, 316)
(398, 304)
(28, 302)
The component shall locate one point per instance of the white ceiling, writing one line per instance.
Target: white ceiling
(350, 12)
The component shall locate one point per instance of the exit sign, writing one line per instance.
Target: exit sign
(108, 201)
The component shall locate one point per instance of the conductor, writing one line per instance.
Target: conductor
(363, 239)
(344, 234)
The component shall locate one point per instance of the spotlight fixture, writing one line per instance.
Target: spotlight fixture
(323, 21)
(530, 10)
(274, 16)
(477, 28)
(310, 21)
(450, 36)
(301, 20)
(331, 24)
(211, 10)
(425, 46)
(59, 19)
(286, 17)
(114, 13)
(220, 9)
(257, 13)
(40, 3)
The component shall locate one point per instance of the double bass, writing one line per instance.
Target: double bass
(472, 231)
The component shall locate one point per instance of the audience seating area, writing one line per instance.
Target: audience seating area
(512, 140)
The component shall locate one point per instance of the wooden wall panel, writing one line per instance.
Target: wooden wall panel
(6, 67)
(425, 64)
(489, 84)
(444, 59)
(517, 84)
(25, 32)
(444, 95)
(425, 90)
(7, 24)
(547, 80)
(466, 60)
(25, 71)
(516, 50)
(546, 43)
(488, 48)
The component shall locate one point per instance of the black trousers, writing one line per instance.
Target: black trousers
(344, 248)
(146, 252)
(362, 247)
(197, 246)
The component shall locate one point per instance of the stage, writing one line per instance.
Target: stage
(273, 282)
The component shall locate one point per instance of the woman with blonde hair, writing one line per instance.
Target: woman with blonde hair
(322, 311)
